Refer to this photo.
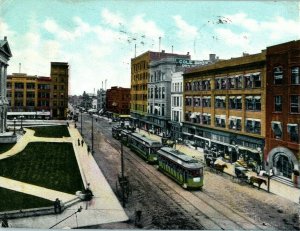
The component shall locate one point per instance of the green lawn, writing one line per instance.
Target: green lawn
(12, 200)
(57, 131)
(5, 147)
(50, 165)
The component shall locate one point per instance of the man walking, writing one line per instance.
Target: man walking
(82, 143)
(78, 142)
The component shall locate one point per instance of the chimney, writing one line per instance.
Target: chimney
(188, 53)
(162, 51)
(212, 57)
(5, 38)
(245, 54)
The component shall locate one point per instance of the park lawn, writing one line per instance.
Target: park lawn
(49, 165)
(56, 131)
(5, 147)
(12, 200)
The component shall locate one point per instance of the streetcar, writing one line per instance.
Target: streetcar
(144, 146)
(124, 136)
(116, 131)
(182, 168)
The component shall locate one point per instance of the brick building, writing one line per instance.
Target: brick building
(39, 97)
(282, 149)
(224, 108)
(118, 100)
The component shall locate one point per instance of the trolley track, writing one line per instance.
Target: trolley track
(202, 207)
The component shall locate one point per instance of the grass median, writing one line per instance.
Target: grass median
(12, 200)
(49, 165)
(57, 131)
(5, 147)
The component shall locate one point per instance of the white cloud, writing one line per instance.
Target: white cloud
(112, 19)
(231, 38)
(140, 26)
(185, 30)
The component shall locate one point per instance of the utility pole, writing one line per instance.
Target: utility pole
(122, 174)
(92, 135)
(81, 121)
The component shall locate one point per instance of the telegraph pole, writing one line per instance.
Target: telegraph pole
(92, 134)
(122, 173)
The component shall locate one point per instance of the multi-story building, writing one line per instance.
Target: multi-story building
(44, 97)
(176, 104)
(140, 73)
(101, 100)
(5, 55)
(59, 90)
(224, 107)
(159, 92)
(118, 100)
(282, 149)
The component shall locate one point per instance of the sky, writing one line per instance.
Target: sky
(98, 38)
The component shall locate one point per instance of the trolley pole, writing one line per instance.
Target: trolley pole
(122, 175)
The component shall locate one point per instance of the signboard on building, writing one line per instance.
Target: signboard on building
(190, 63)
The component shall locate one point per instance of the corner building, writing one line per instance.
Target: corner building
(282, 151)
(224, 109)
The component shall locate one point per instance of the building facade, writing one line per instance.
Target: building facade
(44, 97)
(140, 74)
(101, 100)
(224, 108)
(59, 90)
(5, 55)
(118, 100)
(282, 149)
(176, 104)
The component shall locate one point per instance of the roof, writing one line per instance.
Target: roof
(180, 158)
(4, 48)
(147, 140)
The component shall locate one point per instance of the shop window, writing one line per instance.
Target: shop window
(278, 75)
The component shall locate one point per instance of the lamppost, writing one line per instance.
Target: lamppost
(92, 134)
(21, 118)
(15, 125)
(81, 121)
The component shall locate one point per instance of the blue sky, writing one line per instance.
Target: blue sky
(97, 38)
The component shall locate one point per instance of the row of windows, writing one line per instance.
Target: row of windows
(294, 103)
(139, 77)
(156, 92)
(143, 65)
(157, 109)
(278, 75)
(177, 87)
(139, 87)
(247, 81)
(157, 76)
(235, 123)
(176, 101)
(32, 95)
(252, 102)
(292, 131)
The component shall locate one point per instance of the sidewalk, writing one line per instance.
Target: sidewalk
(102, 209)
(286, 191)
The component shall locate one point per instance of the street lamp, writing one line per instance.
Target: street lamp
(15, 125)
(21, 117)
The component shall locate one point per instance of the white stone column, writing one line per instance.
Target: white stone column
(5, 97)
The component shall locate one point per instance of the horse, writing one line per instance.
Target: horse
(220, 167)
(257, 180)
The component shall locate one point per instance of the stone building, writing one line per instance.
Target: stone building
(5, 55)
(282, 149)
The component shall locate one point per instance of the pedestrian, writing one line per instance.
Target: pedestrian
(88, 149)
(68, 124)
(82, 143)
(4, 223)
(57, 206)
(138, 216)
(78, 142)
(75, 125)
